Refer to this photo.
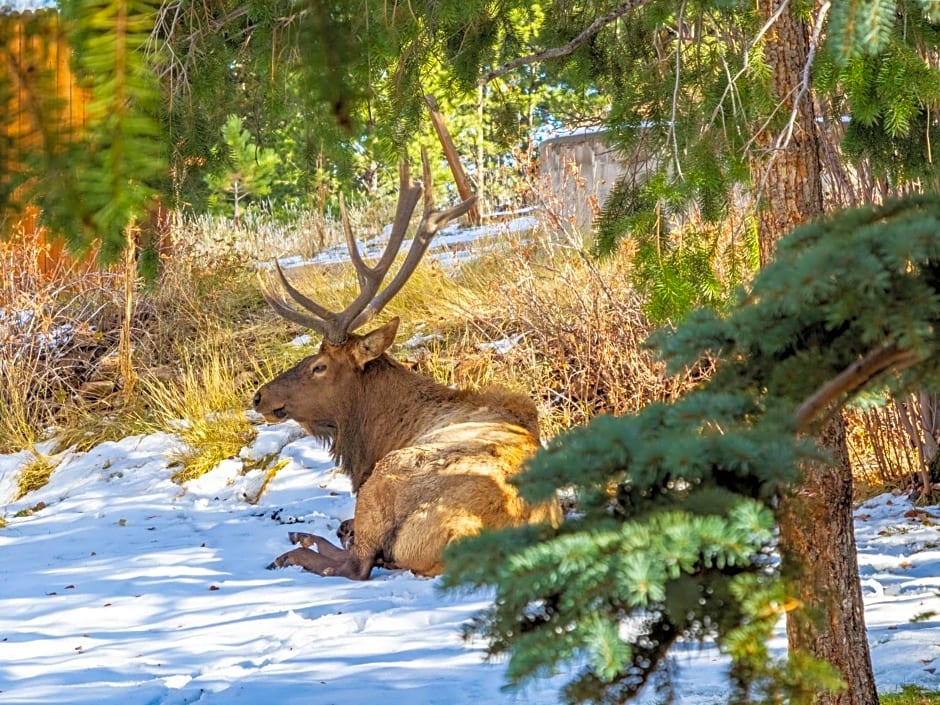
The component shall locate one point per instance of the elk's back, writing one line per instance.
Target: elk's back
(452, 483)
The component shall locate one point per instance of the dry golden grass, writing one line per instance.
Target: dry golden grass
(911, 695)
(204, 340)
(271, 466)
(210, 441)
(204, 403)
(34, 475)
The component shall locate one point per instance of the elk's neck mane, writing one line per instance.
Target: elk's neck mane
(393, 406)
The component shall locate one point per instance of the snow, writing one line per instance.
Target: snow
(120, 587)
(123, 587)
(451, 245)
(501, 347)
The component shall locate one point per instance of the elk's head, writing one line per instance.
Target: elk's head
(315, 390)
(318, 388)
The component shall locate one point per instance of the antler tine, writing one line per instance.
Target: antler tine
(370, 278)
(351, 245)
(316, 317)
(431, 222)
(408, 199)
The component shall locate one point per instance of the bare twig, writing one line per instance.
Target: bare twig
(675, 91)
(851, 379)
(565, 49)
(787, 134)
(747, 53)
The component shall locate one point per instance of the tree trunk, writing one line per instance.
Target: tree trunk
(817, 538)
(788, 171)
(817, 542)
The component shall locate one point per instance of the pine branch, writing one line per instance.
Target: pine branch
(557, 52)
(851, 379)
(121, 136)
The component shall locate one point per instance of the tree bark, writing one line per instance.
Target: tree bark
(817, 538)
(817, 543)
(788, 170)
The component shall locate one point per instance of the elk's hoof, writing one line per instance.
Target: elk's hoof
(346, 533)
(300, 538)
(281, 561)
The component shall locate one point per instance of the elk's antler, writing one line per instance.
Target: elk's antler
(335, 327)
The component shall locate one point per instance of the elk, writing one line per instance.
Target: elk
(429, 464)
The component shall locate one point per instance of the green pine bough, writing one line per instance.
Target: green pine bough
(673, 533)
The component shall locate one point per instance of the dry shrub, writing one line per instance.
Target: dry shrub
(192, 301)
(575, 333)
(894, 443)
(54, 329)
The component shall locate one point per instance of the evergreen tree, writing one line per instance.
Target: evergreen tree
(723, 92)
(91, 182)
(248, 174)
(676, 504)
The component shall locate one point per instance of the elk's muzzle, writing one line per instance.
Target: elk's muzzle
(267, 409)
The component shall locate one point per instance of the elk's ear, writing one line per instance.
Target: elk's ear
(373, 344)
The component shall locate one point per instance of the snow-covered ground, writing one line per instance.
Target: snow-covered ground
(451, 245)
(119, 587)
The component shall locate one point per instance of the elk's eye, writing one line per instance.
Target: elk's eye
(318, 368)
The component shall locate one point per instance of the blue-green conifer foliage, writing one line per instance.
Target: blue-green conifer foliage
(672, 534)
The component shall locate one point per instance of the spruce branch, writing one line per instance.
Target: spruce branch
(851, 379)
(565, 49)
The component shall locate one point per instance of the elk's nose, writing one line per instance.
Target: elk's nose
(256, 399)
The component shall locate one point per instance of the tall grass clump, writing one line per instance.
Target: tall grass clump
(204, 404)
(34, 475)
(55, 324)
(569, 330)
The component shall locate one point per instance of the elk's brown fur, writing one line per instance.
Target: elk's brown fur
(430, 464)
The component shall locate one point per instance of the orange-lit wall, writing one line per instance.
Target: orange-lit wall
(35, 57)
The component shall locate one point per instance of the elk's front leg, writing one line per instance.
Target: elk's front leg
(306, 559)
(327, 560)
(319, 544)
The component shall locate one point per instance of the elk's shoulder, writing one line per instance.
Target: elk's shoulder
(503, 405)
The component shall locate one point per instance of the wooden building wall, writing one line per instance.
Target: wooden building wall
(34, 57)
